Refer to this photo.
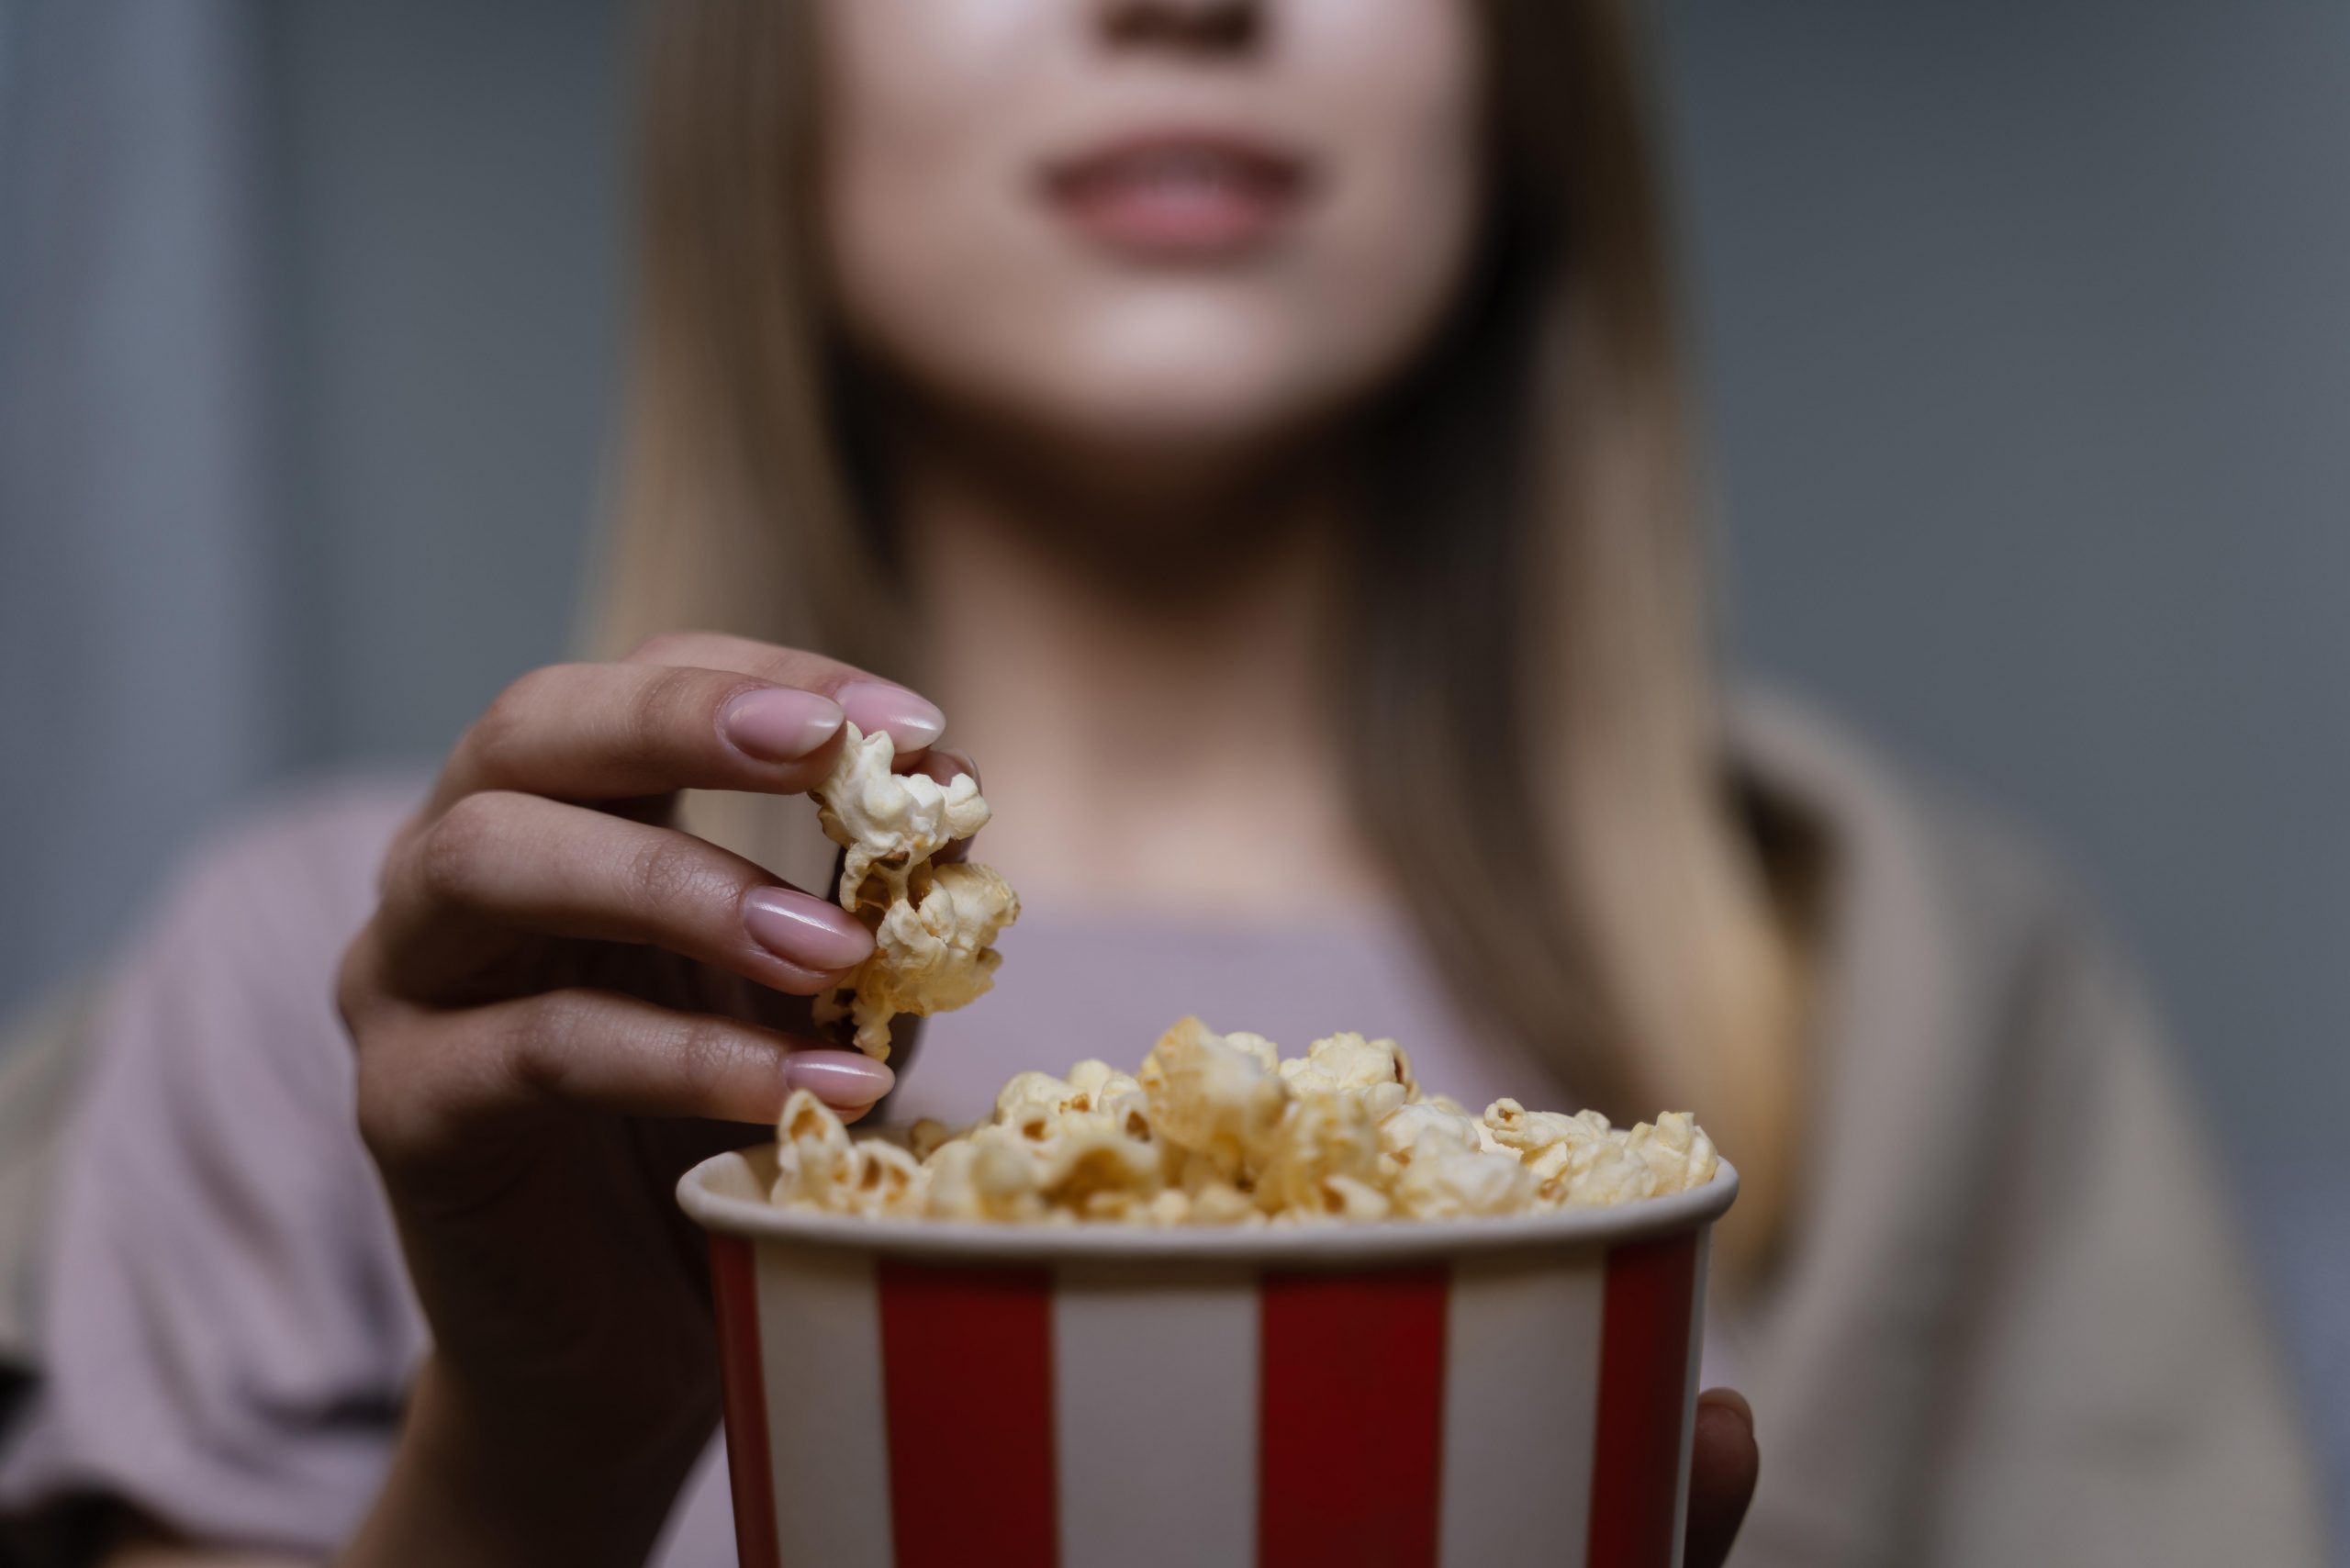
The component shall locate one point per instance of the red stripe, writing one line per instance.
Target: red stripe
(1643, 1361)
(1351, 1420)
(967, 1369)
(743, 1383)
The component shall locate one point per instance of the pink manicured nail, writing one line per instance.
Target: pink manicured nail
(839, 1078)
(912, 721)
(781, 724)
(805, 931)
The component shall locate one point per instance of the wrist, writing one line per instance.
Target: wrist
(474, 1480)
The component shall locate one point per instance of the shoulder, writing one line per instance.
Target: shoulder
(2001, 1169)
(207, 1157)
(233, 964)
(1960, 977)
(1905, 853)
(295, 868)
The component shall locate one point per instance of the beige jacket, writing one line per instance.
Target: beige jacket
(2017, 1325)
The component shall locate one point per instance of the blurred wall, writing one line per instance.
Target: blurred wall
(2028, 351)
(305, 345)
(454, 181)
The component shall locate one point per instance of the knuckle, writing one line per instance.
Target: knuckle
(382, 1120)
(355, 987)
(524, 1043)
(667, 647)
(666, 870)
(509, 711)
(659, 712)
(513, 717)
(447, 856)
(700, 1053)
(390, 1104)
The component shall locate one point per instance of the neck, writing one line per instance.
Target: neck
(1151, 713)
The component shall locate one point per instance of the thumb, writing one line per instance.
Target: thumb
(1722, 1470)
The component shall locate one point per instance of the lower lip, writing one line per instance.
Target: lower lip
(1192, 220)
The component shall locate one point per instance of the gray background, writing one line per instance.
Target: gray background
(2024, 330)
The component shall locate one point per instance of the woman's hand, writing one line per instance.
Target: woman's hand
(1722, 1471)
(561, 1002)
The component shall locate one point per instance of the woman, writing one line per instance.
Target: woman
(1257, 425)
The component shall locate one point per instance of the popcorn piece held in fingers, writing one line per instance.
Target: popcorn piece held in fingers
(890, 821)
(932, 953)
(934, 926)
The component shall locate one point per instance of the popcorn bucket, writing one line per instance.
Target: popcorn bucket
(924, 1393)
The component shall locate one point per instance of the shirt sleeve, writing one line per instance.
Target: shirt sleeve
(226, 1331)
(2120, 1400)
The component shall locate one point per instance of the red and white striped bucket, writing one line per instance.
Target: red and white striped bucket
(923, 1395)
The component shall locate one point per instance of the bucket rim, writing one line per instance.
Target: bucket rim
(725, 1194)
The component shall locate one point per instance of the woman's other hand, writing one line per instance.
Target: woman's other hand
(1722, 1472)
(561, 1001)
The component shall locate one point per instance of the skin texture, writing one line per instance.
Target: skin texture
(1120, 498)
(954, 266)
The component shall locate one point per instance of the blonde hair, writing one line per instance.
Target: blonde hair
(1537, 750)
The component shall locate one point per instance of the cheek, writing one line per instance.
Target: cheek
(920, 169)
(1399, 84)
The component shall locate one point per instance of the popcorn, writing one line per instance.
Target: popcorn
(890, 822)
(1220, 1130)
(1323, 1156)
(1213, 1129)
(1426, 1130)
(1033, 1100)
(934, 926)
(1454, 1186)
(815, 1162)
(1342, 1062)
(1211, 1097)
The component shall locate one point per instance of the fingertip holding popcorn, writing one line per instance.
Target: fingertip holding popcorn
(1221, 1130)
(934, 926)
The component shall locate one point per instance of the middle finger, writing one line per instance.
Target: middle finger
(521, 862)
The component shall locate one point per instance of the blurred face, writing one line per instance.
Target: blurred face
(1180, 229)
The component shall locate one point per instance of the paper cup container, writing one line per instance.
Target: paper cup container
(921, 1394)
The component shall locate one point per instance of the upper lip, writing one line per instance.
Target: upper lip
(1253, 157)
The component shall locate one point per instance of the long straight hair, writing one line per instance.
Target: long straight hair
(1533, 716)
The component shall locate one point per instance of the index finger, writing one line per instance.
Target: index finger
(626, 731)
(871, 703)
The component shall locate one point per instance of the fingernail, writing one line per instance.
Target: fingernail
(839, 1078)
(912, 721)
(805, 931)
(781, 724)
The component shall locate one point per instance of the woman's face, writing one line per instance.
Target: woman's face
(1151, 228)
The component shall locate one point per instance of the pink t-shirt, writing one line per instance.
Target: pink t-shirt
(229, 1330)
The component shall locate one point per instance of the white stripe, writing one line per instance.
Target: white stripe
(820, 1348)
(1689, 1395)
(1155, 1410)
(1521, 1388)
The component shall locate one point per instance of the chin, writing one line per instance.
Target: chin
(1150, 406)
(1179, 443)
(1217, 402)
